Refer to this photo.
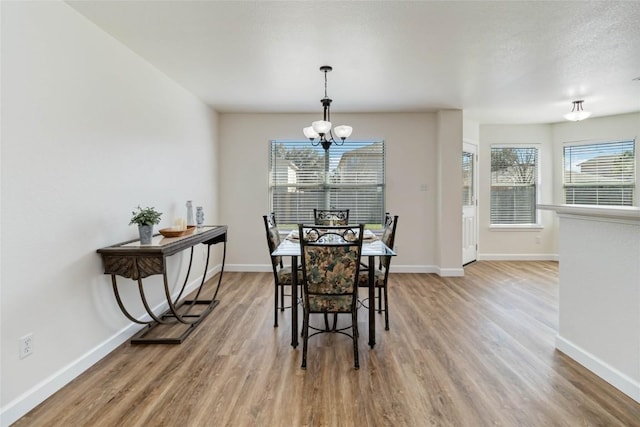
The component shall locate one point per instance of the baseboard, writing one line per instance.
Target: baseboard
(37, 394)
(451, 272)
(619, 380)
(518, 257)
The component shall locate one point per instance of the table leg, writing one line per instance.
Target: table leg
(294, 302)
(372, 300)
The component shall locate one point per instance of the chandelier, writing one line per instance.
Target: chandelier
(577, 113)
(320, 133)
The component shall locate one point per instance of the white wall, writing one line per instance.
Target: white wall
(449, 216)
(516, 243)
(411, 163)
(540, 243)
(89, 131)
(599, 294)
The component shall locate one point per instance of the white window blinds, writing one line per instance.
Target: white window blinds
(600, 173)
(514, 180)
(304, 177)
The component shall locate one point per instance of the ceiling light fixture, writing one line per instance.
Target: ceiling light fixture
(319, 133)
(577, 113)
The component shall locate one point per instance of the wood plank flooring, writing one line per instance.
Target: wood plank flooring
(462, 351)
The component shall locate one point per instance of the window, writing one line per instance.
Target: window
(304, 177)
(514, 185)
(601, 173)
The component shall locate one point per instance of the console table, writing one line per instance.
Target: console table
(135, 261)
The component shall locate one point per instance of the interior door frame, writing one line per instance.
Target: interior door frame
(470, 146)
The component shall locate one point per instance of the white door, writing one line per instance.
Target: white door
(469, 204)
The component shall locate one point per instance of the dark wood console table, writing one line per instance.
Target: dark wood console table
(135, 261)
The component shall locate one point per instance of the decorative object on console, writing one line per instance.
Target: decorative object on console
(577, 113)
(321, 129)
(190, 220)
(172, 232)
(199, 216)
(145, 218)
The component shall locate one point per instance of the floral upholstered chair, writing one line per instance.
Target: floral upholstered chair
(282, 276)
(330, 267)
(331, 216)
(381, 274)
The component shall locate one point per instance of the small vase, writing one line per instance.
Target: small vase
(190, 220)
(146, 233)
(199, 216)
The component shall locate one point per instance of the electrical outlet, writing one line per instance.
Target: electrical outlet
(538, 240)
(25, 347)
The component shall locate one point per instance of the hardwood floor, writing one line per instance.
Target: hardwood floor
(462, 351)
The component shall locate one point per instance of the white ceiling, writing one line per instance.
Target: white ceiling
(499, 61)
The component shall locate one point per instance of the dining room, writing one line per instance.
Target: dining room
(105, 107)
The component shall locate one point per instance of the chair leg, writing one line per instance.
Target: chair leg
(305, 337)
(275, 306)
(386, 308)
(354, 332)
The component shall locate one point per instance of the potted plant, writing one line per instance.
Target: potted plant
(145, 218)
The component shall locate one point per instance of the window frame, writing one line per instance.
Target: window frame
(532, 226)
(593, 142)
(326, 186)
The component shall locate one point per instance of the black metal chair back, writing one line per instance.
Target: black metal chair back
(388, 237)
(282, 276)
(381, 276)
(330, 265)
(331, 216)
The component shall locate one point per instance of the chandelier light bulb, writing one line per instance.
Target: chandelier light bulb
(310, 133)
(343, 132)
(321, 127)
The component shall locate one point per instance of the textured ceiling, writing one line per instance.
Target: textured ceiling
(500, 61)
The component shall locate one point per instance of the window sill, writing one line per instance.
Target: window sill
(516, 227)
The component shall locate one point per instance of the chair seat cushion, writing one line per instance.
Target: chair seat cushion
(378, 279)
(322, 303)
(285, 277)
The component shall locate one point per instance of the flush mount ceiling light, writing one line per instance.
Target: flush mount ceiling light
(577, 113)
(319, 133)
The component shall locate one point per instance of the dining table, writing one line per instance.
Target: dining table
(372, 247)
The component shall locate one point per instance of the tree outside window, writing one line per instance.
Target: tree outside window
(514, 184)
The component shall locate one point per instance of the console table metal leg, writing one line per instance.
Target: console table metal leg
(120, 303)
(192, 320)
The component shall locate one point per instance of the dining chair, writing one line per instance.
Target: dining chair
(331, 216)
(381, 274)
(282, 276)
(330, 266)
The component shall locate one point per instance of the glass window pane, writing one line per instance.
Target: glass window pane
(600, 173)
(514, 178)
(467, 179)
(304, 177)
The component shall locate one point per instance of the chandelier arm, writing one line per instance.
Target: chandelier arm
(336, 141)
